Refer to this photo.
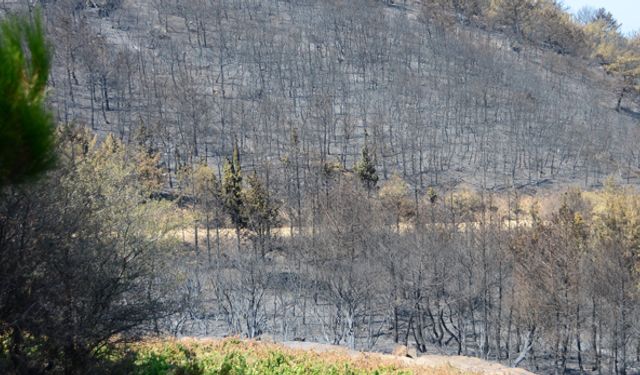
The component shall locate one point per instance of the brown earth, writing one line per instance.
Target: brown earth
(419, 365)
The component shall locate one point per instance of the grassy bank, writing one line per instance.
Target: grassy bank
(233, 356)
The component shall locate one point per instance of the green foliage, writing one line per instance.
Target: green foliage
(232, 189)
(233, 357)
(260, 210)
(432, 195)
(96, 240)
(251, 208)
(26, 127)
(366, 170)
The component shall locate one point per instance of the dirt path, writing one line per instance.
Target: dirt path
(469, 364)
(425, 361)
(187, 234)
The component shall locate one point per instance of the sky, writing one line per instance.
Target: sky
(627, 12)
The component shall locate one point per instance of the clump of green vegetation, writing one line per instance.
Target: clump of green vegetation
(236, 357)
(26, 127)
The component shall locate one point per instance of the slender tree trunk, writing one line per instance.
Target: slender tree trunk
(594, 337)
(208, 238)
(578, 341)
(499, 317)
(528, 345)
(509, 324)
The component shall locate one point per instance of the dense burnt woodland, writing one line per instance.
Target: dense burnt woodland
(437, 104)
(353, 172)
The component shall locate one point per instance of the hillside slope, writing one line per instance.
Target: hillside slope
(448, 122)
(437, 105)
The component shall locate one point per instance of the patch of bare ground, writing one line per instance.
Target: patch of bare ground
(423, 364)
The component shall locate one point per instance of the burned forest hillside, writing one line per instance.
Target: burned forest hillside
(437, 101)
(441, 177)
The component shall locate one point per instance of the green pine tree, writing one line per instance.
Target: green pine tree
(260, 211)
(366, 170)
(232, 198)
(26, 127)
